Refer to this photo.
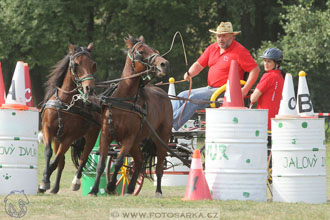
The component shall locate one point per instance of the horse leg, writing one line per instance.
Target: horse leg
(90, 141)
(111, 186)
(137, 156)
(59, 162)
(161, 154)
(105, 140)
(60, 167)
(45, 182)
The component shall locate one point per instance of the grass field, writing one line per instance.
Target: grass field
(72, 205)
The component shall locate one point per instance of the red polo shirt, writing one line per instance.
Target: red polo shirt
(219, 64)
(271, 86)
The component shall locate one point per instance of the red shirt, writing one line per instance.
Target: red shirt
(219, 64)
(270, 85)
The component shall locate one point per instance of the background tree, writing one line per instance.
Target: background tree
(38, 32)
(305, 46)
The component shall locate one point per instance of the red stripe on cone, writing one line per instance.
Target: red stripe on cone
(28, 89)
(2, 88)
(233, 95)
(197, 188)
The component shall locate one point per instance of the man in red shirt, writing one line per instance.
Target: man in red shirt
(218, 57)
(268, 92)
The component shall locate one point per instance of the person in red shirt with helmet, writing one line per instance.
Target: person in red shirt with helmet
(217, 57)
(268, 92)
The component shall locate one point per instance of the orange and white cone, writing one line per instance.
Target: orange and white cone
(197, 188)
(304, 102)
(171, 87)
(2, 88)
(28, 90)
(233, 95)
(16, 94)
(288, 101)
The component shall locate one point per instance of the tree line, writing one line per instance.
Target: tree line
(38, 32)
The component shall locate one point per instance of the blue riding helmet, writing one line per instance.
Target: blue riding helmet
(273, 54)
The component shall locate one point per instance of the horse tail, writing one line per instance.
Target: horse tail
(77, 148)
(149, 152)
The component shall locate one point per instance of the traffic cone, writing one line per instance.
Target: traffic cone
(28, 90)
(233, 95)
(16, 94)
(288, 101)
(197, 188)
(171, 87)
(304, 102)
(2, 89)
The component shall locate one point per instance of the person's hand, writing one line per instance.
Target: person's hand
(244, 92)
(187, 76)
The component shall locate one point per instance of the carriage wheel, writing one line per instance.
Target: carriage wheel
(125, 175)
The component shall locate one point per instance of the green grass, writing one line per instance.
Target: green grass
(72, 205)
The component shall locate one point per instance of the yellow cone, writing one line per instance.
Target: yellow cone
(171, 87)
(304, 102)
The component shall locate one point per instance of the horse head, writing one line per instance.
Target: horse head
(82, 67)
(144, 57)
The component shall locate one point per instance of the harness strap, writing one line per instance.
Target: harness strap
(110, 122)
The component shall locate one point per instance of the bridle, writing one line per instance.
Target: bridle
(135, 56)
(73, 66)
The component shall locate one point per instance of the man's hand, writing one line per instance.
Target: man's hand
(187, 76)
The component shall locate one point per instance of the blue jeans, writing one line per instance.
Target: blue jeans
(203, 93)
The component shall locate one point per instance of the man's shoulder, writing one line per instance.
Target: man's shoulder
(239, 46)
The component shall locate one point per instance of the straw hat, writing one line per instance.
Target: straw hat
(225, 28)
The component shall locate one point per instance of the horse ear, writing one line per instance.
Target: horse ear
(71, 48)
(141, 38)
(90, 46)
(129, 41)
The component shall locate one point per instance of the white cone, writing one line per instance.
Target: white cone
(304, 102)
(288, 101)
(16, 93)
(171, 88)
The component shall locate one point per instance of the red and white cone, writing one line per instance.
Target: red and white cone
(28, 89)
(233, 96)
(16, 94)
(197, 188)
(2, 88)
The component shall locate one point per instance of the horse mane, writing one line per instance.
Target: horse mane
(56, 76)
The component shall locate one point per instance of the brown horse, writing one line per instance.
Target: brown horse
(127, 111)
(69, 113)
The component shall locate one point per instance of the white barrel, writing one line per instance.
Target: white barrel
(236, 153)
(299, 161)
(18, 150)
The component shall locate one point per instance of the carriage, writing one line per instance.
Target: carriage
(133, 112)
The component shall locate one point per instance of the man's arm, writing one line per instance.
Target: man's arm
(253, 76)
(194, 70)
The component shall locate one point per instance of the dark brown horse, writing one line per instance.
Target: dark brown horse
(126, 112)
(69, 114)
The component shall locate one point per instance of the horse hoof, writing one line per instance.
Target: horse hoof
(158, 195)
(40, 190)
(75, 187)
(92, 194)
(44, 186)
(54, 191)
